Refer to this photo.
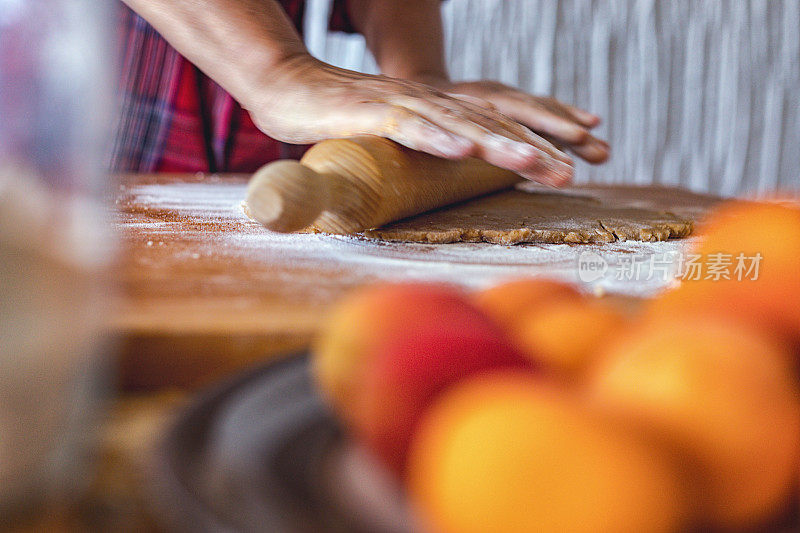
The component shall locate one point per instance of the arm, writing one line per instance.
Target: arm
(251, 49)
(406, 39)
(211, 33)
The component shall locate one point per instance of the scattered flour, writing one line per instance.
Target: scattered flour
(630, 268)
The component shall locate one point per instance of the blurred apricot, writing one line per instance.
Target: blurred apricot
(366, 317)
(757, 247)
(408, 373)
(508, 302)
(387, 351)
(502, 453)
(719, 394)
(566, 335)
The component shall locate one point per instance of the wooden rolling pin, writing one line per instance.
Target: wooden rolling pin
(350, 185)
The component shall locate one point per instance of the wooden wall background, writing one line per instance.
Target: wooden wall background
(700, 93)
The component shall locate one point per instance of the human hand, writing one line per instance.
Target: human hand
(304, 100)
(566, 126)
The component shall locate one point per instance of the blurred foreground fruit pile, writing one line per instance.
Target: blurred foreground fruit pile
(532, 407)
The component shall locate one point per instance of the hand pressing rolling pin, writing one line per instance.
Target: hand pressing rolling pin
(250, 71)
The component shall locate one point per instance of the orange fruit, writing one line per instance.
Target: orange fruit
(407, 373)
(732, 239)
(367, 317)
(566, 335)
(508, 302)
(722, 396)
(501, 453)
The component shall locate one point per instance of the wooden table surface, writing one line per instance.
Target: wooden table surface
(193, 307)
(205, 292)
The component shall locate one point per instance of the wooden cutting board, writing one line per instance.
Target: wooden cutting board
(205, 291)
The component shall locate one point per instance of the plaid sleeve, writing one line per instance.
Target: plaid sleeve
(340, 17)
(148, 84)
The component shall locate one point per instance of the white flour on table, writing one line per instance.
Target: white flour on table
(629, 268)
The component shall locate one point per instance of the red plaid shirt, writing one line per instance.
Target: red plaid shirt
(173, 118)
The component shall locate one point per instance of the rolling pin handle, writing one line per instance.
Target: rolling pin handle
(287, 196)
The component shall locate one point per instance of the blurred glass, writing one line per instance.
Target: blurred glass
(54, 241)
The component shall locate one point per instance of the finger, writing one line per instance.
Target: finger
(549, 144)
(418, 133)
(578, 141)
(596, 151)
(502, 141)
(399, 124)
(548, 120)
(422, 132)
(552, 167)
(593, 151)
(453, 137)
(502, 147)
(565, 111)
(556, 175)
(561, 146)
(590, 120)
(561, 128)
(474, 100)
(504, 125)
(501, 124)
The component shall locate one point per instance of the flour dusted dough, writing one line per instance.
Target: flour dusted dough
(530, 214)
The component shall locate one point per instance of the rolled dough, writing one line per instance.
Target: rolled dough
(532, 214)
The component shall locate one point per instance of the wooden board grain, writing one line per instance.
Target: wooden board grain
(206, 291)
(187, 316)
